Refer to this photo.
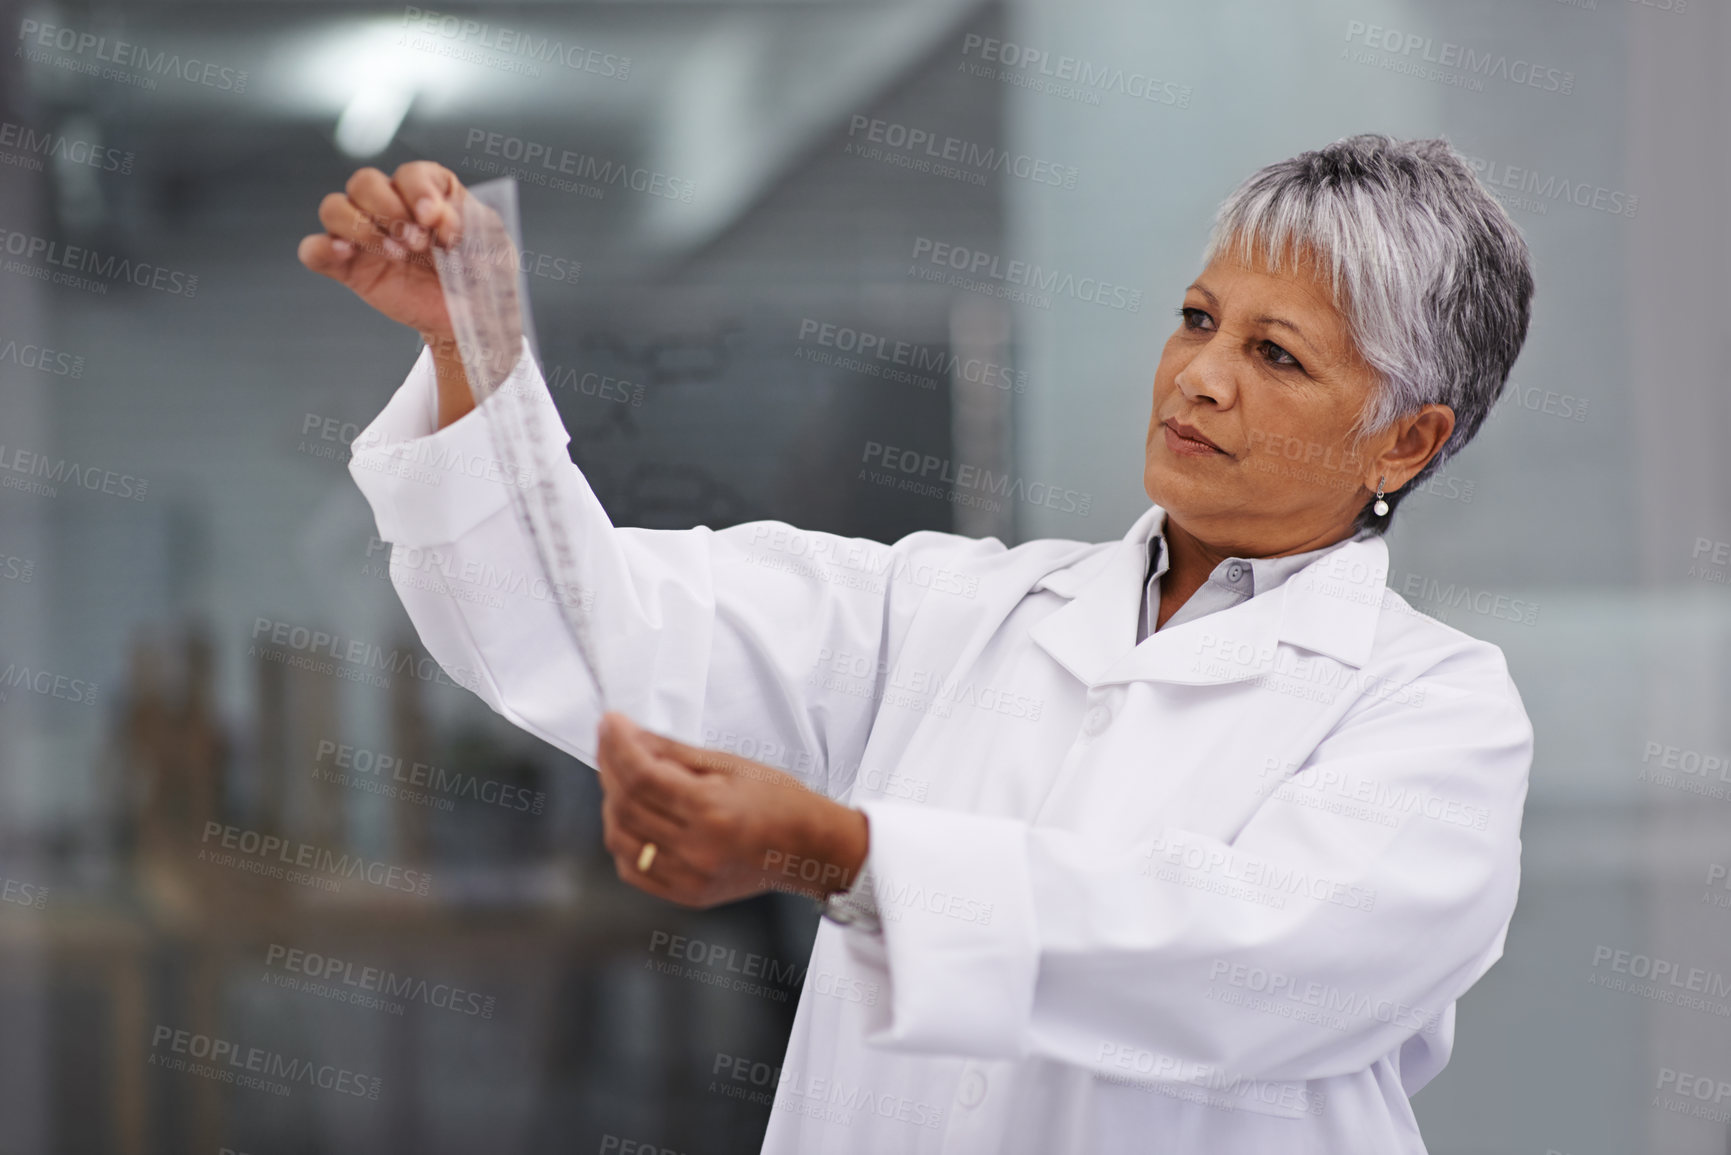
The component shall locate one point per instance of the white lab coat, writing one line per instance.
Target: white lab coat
(1217, 892)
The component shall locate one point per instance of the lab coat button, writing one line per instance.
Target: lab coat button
(973, 1089)
(1097, 720)
(1234, 572)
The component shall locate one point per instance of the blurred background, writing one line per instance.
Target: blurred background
(201, 652)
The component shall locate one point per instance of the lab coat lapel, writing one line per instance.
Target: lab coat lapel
(1330, 607)
(1098, 626)
(1334, 604)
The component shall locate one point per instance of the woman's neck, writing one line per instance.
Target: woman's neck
(1189, 561)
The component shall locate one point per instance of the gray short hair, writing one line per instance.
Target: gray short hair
(1437, 280)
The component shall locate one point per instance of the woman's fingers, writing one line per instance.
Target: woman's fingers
(373, 246)
(671, 890)
(433, 197)
(704, 761)
(642, 822)
(657, 783)
(669, 875)
(373, 213)
(372, 193)
(697, 758)
(345, 221)
(694, 757)
(323, 253)
(709, 826)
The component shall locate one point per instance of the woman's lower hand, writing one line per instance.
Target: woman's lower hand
(723, 827)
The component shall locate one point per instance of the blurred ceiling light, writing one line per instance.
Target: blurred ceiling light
(364, 73)
(372, 118)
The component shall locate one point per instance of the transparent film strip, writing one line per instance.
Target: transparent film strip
(487, 296)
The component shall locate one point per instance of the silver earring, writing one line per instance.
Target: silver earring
(1381, 506)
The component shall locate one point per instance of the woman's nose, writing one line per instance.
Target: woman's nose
(1208, 376)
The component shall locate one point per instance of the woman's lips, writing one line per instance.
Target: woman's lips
(1182, 438)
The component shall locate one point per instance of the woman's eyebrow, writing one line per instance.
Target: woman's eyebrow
(1262, 320)
(1285, 324)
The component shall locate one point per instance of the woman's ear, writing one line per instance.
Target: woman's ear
(1418, 438)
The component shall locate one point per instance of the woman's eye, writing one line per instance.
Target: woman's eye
(1280, 356)
(1193, 318)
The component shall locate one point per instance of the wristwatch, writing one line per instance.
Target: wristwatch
(856, 906)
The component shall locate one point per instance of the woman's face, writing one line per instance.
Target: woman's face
(1263, 366)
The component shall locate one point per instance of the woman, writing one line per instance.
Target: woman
(1183, 842)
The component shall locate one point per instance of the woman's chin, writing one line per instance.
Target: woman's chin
(1173, 491)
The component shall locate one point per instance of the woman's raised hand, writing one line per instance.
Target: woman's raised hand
(378, 240)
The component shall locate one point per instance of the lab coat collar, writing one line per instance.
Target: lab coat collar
(1330, 607)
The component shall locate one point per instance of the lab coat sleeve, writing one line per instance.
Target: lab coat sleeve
(718, 638)
(1317, 942)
